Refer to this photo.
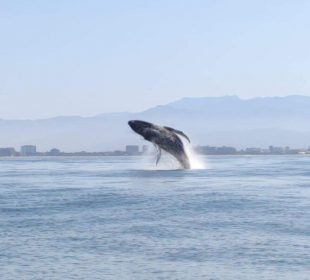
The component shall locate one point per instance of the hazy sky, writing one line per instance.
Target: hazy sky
(88, 57)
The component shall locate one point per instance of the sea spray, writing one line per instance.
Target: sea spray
(195, 160)
(168, 162)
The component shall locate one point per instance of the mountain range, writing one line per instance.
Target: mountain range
(227, 120)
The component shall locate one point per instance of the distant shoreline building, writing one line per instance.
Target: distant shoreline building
(209, 150)
(7, 152)
(28, 150)
(132, 149)
(54, 152)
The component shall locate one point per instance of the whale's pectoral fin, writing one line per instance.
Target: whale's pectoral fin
(177, 132)
(158, 154)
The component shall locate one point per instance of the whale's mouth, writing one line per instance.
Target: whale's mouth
(132, 125)
(139, 126)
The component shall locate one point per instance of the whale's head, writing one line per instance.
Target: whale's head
(139, 126)
(145, 129)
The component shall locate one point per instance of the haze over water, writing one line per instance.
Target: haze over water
(245, 217)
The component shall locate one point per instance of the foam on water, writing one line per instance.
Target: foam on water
(168, 162)
(196, 162)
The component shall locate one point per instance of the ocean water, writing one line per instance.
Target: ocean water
(244, 217)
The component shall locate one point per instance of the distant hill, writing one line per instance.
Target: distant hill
(228, 120)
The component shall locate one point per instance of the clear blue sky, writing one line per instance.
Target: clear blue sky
(89, 57)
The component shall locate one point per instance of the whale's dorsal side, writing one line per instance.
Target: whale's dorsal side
(177, 132)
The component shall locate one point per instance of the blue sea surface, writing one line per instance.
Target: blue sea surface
(244, 217)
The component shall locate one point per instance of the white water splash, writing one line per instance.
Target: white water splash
(196, 162)
(168, 162)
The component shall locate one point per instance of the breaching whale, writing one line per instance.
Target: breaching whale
(164, 138)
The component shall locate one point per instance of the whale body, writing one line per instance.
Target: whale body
(164, 138)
